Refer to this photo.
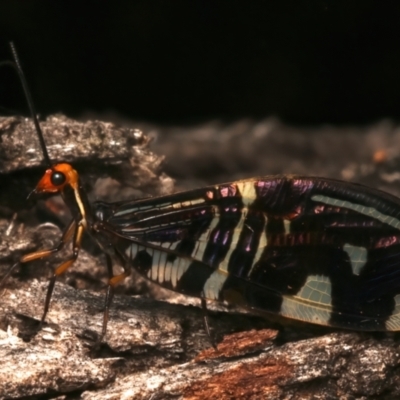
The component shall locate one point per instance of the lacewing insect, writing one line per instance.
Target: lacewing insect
(318, 250)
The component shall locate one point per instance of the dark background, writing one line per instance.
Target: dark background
(306, 62)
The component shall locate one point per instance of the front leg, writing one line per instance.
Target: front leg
(64, 266)
(36, 255)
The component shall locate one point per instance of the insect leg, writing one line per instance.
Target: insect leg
(112, 282)
(205, 320)
(109, 297)
(66, 237)
(63, 267)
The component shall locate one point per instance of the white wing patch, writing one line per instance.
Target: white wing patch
(312, 302)
(358, 257)
(214, 284)
(393, 323)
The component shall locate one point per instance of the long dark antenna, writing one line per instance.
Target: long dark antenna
(17, 66)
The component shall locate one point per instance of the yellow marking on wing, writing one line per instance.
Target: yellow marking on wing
(202, 241)
(223, 266)
(261, 246)
(311, 303)
(248, 192)
(214, 284)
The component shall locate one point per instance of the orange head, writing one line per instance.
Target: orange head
(56, 178)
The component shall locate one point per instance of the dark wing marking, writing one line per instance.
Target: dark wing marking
(309, 249)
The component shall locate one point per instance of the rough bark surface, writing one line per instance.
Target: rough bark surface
(159, 350)
(156, 349)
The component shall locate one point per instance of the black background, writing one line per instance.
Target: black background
(306, 62)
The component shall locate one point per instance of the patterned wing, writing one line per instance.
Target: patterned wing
(312, 249)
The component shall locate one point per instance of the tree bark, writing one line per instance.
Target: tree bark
(159, 350)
